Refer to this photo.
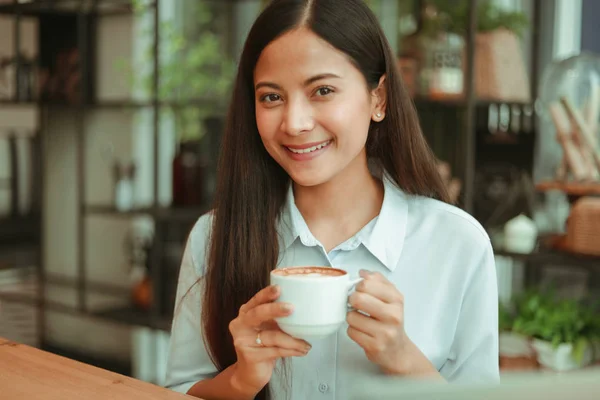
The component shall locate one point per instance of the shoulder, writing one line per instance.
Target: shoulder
(445, 220)
(456, 243)
(457, 240)
(198, 242)
(202, 228)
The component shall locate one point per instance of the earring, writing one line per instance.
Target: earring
(378, 115)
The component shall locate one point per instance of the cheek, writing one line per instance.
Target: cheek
(267, 124)
(349, 121)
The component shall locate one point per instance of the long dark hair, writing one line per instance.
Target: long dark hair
(251, 186)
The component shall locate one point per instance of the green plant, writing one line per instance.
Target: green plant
(540, 315)
(506, 318)
(193, 67)
(453, 16)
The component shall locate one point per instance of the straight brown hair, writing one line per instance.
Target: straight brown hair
(251, 187)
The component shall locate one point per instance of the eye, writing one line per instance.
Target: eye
(324, 91)
(270, 98)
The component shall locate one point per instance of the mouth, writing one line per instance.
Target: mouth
(311, 149)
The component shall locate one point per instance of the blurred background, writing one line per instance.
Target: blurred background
(111, 113)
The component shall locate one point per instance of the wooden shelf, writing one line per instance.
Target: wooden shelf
(20, 229)
(26, 291)
(543, 257)
(133, 316)
(19, 255)
(127, 315)
(187, 214)
(6, 102)
(68, 7)
(570, 188)
(461, 102)
(122, 104)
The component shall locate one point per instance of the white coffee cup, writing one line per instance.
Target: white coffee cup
(319, 296)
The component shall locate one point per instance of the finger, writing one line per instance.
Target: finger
(362, 323)
(376, 276)
(280, 339)
(367, 303)
(380, 290)
(266, 295)
(362, 339)
(273, 353)
(266, 312)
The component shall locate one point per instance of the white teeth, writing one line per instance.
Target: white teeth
(310, 149)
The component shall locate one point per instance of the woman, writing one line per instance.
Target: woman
(323, 163)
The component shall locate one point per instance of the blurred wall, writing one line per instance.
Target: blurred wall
(104, 237)
(590, 30)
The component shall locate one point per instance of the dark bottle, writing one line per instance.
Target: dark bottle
(188, 175)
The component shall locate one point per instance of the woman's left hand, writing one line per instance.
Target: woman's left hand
(381, 334)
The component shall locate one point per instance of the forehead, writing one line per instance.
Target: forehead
(299, 54)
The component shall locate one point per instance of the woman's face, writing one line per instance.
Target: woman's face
(313, 107)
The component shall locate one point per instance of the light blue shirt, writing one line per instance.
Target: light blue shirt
(439, 258)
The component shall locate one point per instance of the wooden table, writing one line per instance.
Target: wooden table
(29, 373)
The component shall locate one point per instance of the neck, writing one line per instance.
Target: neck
(342, 206)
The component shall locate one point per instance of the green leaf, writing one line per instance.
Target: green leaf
(453, 17)
(579, 349)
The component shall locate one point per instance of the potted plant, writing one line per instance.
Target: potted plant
(595, 337)
(439, 49)
(516, 352)
(562, 330)
(195, 80)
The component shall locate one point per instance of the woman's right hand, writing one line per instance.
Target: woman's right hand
(255, 362)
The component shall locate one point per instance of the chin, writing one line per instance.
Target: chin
(308, 180)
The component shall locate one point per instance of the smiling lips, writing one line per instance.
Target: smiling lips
(308, 148)
(307, 151)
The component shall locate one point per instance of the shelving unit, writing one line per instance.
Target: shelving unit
(542, 257)
(456, 128)
(85, 11)
(165, 220)
(468, 117)
(67, 7)
(26, 231)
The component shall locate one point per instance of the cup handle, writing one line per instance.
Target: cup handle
(351, 285)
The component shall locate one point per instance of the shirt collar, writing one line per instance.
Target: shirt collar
(292, 224)
(386, 239)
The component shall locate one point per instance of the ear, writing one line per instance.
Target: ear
(379, 100)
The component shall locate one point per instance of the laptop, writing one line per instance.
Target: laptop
(580, 385)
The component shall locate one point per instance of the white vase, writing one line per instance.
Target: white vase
(520, 235)
(560, 358)
(515, 345)
(596, 350)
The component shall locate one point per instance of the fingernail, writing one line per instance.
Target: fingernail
(307, 346)
(274, 289)
(287, 307)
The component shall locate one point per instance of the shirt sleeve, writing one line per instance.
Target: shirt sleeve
(474, 353)
(188, 361)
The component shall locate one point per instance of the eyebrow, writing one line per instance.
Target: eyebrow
(307, 82)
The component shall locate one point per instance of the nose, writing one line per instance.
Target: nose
(298, 118)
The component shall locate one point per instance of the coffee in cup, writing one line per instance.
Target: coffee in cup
(319, 296)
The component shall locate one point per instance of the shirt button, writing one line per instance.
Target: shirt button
(323, 388)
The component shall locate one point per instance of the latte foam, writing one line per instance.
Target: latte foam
(309, 272)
